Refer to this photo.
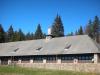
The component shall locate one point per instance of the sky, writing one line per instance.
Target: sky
(27, 14)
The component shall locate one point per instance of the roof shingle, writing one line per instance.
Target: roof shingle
(78, 45)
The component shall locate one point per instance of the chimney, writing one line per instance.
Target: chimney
(49, 31)
(49, 36)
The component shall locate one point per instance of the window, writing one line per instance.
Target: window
(87, 58)
(68, 58)
(51, 58)
(72, 58)
(40, 58)
(84, 57)
(79, 57)
(39, 48)
(16, 50)
(67, 47)
(63, 58)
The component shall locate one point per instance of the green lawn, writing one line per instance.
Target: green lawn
(10, 70)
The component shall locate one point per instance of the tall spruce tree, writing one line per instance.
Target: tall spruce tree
(80, 32)
(2, 34)
(21, 35)
(96, 29)
(10, 34)
(70, 34)
(76, 32)
(57, 27)
(38, 34)
(89, 29)
(29, 36)
(16, 36)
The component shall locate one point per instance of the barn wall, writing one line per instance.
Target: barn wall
(83, 67)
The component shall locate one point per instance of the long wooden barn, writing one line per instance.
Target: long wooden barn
(70, 49)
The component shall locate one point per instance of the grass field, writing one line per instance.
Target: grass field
(11, 70)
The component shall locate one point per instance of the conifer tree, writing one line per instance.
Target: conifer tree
(80, 32)
(38, 34)
(70, 34)
(2, 34)
(10, 34)
(16, 36)
(21, 35)
(89, 29)
(96, 28)
(57, 27)
(76, 32)
(29, 36)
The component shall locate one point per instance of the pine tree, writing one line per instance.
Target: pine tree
(2, 34)
(21, 35)
(89, 29)
(6, 37)
(29, 36)
(96, 28)
(44, 35)
(10, 34)
(57, 27)
(70, 34)
(38, 33)
(16, 36)
(76, 32)
(80, 32)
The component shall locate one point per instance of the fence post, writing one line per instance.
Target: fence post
(9, 62)
(0, 61)
(31, 60)
(19, 61)
(95, 58)
(59, 61)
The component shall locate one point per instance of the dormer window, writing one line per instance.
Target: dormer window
(39, 48)
(16, 50)
(67, 47)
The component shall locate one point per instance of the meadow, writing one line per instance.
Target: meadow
(14, 70)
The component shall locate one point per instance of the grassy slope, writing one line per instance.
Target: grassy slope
(9, 70)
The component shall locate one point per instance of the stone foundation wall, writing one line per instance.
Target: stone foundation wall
(81, 67)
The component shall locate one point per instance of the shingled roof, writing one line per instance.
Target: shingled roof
(80, 44)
